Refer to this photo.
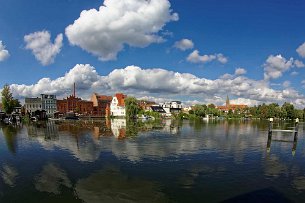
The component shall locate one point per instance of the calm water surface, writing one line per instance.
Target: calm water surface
(167, 161)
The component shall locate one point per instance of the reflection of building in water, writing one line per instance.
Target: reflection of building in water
(118, 127)
(76, 137)
(48, 130)
(170, 126)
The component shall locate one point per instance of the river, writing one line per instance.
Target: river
(152, 161)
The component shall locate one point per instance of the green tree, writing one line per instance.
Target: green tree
(8, 101)
(289, 109)
(132, 107)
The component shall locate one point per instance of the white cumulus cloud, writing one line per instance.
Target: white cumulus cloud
(301, 50)
(195, 57)
(158, 83)
(4, 54)
(184, 44)
(276, 65)
(105, 31)
(299, 64)
(41, 46)
(240, 71)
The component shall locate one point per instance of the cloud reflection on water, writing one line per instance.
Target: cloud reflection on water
(51, 178)
(111, 185)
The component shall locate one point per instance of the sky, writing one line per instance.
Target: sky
(196, 51)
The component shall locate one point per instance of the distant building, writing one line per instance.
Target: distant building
(32, 105)
(146, 105)
(232, 107)
(75, 104)
(101, 105)
(49, 104)
(172, 107)
(117, 107)
(157, 108)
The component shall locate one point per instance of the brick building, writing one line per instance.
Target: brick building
(232, 107)
(75, 104)
(101, 105)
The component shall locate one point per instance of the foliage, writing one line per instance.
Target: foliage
(263, 111)
(8, 101)
(132, 107)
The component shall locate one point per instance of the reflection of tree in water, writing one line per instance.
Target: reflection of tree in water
(110, 185)
(132, 128)
(10, 134)
(51, 178)
(9, 175)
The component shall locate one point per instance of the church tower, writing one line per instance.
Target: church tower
(227, 101)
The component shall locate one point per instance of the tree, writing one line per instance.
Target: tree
(289, 109)
(132, 107)
(8, 101)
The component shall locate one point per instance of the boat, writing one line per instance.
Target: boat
(71, 116)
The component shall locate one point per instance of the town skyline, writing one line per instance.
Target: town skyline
(159, 50)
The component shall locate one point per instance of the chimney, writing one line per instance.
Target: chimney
(74, 90)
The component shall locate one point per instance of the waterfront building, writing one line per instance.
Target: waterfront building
(232, 107)
(117, 106)
(101, 105)
(172, 107)
(32, 105)
(146, 105)
(75, 104)
(49, 104)
(157, 108)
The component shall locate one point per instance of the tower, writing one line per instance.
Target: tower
(227, 101)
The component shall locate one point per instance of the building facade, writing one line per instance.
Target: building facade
(232, 107)
(76, 105)
(101, 105)
(32, 104)
(172, 107)
(49, 104)
(117, 107)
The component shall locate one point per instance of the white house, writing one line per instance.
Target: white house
(32, 104)
(117, 106)
(172, 107)
(49, 104)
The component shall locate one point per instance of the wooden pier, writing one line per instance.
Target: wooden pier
(294, 131)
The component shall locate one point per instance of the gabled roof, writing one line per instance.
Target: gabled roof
(120, 98)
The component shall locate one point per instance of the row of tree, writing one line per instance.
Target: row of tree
(273, 110)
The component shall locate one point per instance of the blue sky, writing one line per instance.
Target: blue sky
(245, 33)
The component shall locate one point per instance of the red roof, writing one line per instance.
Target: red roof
(120, 98)
(104, 97)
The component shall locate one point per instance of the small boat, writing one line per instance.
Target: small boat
(71, 116)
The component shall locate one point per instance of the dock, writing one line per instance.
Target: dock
(294, 131)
